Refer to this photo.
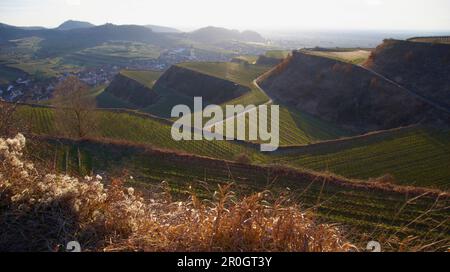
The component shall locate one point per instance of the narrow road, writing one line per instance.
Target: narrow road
(424, 99)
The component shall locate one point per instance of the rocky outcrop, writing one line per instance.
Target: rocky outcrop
(192, 83)
(348, 95)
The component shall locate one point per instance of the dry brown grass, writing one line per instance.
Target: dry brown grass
(42, 212)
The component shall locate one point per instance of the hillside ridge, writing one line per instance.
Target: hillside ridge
(349, 95)
(194, 83)
(420, 67)
(132, 91)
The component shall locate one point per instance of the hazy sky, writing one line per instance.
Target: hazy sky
(240, 14)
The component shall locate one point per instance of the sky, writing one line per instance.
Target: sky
(239, 14)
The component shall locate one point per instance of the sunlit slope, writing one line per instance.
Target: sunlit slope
(145, 77)
(354, 56)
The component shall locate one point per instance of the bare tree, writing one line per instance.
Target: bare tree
(11, 122)
(7, 112)
(74, 114)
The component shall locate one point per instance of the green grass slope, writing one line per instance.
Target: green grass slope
(354, 56)
(413, 156)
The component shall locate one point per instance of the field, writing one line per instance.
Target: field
(147, 78)
(354, 56)
(20, 54)
(413, 156)
(246, 58)
(132, 50)
(20, 49)
(364, 212)
(8, 74)
(44, 68)
(277, 54)
(113, 53)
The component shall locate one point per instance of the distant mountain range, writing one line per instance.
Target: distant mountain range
(71, 24)
(76, 35)
(208, 34)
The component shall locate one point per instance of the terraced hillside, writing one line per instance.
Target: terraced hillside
(216, 82)
(418, 156)
(134, 127)
(131, 88)
(241, 74)
(190, 83)
(421, 67)
(367, 212)
(346, 95)
(413, 156)
(295, 127)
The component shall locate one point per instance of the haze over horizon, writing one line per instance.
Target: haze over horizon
(429, 15)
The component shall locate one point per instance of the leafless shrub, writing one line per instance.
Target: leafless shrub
(74, 115)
